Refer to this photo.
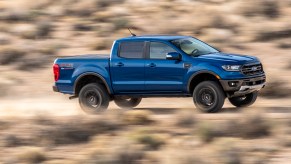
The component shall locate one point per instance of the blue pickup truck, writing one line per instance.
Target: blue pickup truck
(159, 66)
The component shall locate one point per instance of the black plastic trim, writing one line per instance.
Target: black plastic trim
(94, 74)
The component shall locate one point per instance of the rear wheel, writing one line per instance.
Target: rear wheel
(244, 101)
(208, 97)
(93, 98)
(127, 102)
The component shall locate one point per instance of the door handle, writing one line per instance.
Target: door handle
(151, 65)
(119, 64)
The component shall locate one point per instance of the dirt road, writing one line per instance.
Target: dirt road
(60, 105)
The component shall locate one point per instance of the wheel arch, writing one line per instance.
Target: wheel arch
(200, 76)
(88, 77)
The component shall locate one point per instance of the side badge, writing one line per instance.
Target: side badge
(187, 65)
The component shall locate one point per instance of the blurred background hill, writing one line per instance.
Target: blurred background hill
(34, 33)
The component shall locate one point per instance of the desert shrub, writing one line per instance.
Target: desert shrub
(103, 16)
(82, 27)
(102, 44)
(275, 89)
(284, 45)
(272, 35)
(10, 55)
(10, 141)
(16, 15)
(121, 23)
(227, 152)
(106, 3)
(44, 29)
(152, 142)
(31, 64)
(207, 132)
(122, 152)
(185, 119)
(253, 126)
(268, 8)
(76, 132)
(137, 117)
(32, 155)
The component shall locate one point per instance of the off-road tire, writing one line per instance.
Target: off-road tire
(244, 101)
(94, 98)
(208, 97)
(127, 103)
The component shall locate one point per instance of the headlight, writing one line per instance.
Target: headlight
(231, 67)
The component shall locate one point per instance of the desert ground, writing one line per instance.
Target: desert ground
(40, 126)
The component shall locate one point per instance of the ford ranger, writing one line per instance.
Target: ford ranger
(159, 66)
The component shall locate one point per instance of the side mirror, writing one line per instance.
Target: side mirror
(173, 56)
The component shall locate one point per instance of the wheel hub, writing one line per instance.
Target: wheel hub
(93, 99)
(206, 97)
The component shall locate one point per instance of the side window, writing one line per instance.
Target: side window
(159, 50)
(132, 50)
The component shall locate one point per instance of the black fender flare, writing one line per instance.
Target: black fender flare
(94, 74)
(198, 73)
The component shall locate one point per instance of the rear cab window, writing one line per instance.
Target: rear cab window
(132, 50)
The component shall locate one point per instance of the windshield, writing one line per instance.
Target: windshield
(193, 47)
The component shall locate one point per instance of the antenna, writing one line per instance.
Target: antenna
(132, 34)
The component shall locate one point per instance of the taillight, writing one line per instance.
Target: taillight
(56, 69)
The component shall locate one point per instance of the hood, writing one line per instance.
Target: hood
(223, 57)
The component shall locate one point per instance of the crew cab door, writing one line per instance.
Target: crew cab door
(162, 75)
(127, 68)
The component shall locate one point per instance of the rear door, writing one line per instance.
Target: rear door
(163, 75)
(127, 68)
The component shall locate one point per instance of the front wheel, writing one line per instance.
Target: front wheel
(208, 97)
(244, 101)
(127, 102)
(93, 98)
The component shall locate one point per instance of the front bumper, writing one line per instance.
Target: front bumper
(241, 87)
(55, 89)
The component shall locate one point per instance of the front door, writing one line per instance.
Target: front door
(162, 75)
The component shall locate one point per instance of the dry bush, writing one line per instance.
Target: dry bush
(121, 23)
(118, 152)
(10, 55)
(151, 141)
(268, 8)
(253, 126)
(82, 27)
(102, 16)
(207, 132)
(32, 155)
(137, 117)
(19, 15)
(249, 126)
(227, 152)
(77, 131)
(284, 45)
(185, 119)
(269, 35)
(101, 44)
(10, 141)
(276, 89)
(106, 3)
(44, 29)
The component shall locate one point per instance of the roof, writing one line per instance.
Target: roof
(154, 37)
